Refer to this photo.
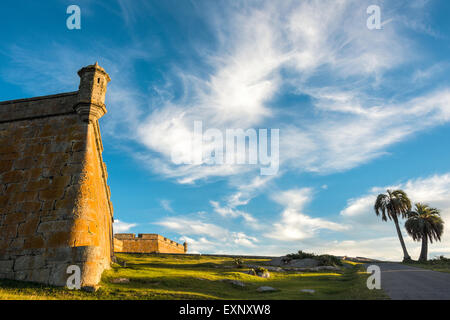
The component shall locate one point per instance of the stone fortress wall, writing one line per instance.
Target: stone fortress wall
(146, 243)
(55, 207)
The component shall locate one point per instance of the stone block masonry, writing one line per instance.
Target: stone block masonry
(55, 207)
(146, 243)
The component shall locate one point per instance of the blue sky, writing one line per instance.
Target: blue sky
(358, 111)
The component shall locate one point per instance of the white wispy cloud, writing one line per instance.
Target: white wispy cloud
(166, 205)
(231, 212)
(425, 74)
(321, 48)
(186, 226)
(433, 190)
(207, 237)
(313, 40)
(359, 206)
(294, 224)
(199, 245)
(352, 135)
(241, 239)
(246, 190)
(121, 226)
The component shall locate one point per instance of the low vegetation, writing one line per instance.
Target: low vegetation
(441, 264)
(200, 277)
(238, 263)
(324, 259)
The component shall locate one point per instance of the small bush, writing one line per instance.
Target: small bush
(261, 270)
(324, 259)
(440, 260)
(302, 255)
(238, 263)
(329, 260)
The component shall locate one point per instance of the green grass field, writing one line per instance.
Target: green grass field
(198, 277)
(441, 266)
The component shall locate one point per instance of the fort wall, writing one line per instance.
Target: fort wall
(55, 207)
(146, 243)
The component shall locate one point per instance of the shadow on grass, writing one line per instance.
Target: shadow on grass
(16, 284)
(206, 265)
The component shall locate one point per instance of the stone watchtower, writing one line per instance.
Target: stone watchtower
(91, 93)
(55, 208)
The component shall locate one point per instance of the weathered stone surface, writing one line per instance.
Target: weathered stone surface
(303, 263)
(269, 268)
(9, 275)
(264, 274)
(236, 283)
(294, 263)
(327, 268)
(6, 266)
(58, 274)
(34, 242)
(311, 291)
(28, 228)
(315, 269)
(266, 289)
(55, 226)
(83, 253)
(40, 275)
(120, 280)
(55, 207)
(29, 262)
(294, 266)
(63, 254)
(278, 261)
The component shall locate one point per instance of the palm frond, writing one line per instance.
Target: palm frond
(425, 222)
(392, 205)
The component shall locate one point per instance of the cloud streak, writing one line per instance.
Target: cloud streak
(205, 237)
(121, 226)
(337, 62)
(294, 224)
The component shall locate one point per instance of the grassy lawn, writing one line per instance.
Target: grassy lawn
(198, 277)
(432, 265)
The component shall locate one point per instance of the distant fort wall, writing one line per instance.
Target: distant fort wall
(146, 243)
(55, 208)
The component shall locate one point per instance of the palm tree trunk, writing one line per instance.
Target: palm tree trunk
(424, 251)
(400, 237)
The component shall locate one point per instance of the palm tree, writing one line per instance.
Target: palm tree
(424, 224)
(392, 205)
